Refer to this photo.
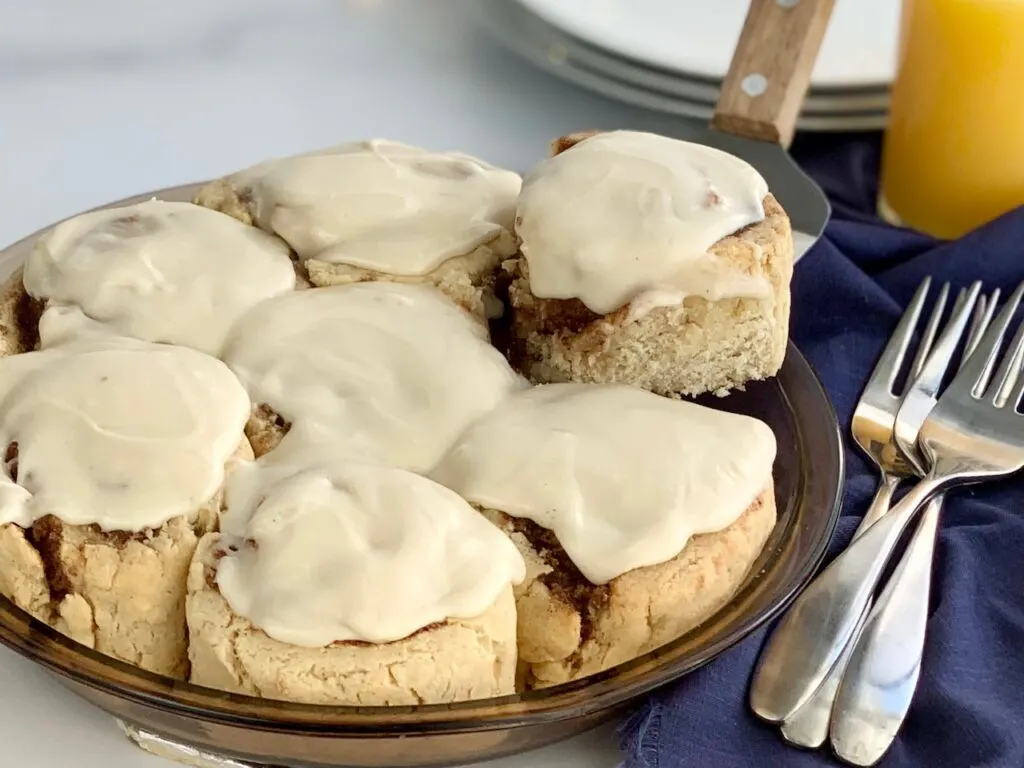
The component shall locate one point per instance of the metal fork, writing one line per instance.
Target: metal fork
(874, 419)
(885, 664)
(874, 430)
(775, 695)
(969, 436)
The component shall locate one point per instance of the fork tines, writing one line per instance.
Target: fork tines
(1006, 385)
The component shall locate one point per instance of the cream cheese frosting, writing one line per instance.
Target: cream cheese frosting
(626, 212)
(160, 271)
(623, 477)
(115, 432)
(391, 372)
(331, 537)
(328, 550)
(382, 205)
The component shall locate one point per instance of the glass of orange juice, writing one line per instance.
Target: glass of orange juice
(953, 156)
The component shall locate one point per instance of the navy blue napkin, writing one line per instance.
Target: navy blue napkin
(847, 296)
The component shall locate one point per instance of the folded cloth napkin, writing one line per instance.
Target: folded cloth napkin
(848, 293)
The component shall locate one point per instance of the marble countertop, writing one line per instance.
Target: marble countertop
(108, 98)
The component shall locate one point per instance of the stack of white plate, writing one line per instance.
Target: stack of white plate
(671, 55)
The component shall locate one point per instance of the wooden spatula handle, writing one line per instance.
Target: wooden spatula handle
(771, 69)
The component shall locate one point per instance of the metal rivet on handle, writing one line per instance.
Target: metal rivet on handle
(786, 3)
(754, 85)
(558, 54)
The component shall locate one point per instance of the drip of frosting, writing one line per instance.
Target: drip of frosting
(328, 550)
(622, 477)
(391, 372)
(115, 432)
(626, 212)
(382, 205)
(160, 271)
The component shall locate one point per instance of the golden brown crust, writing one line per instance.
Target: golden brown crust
(19, 317)
(122, 595)
(569, 628)
(221, 195)
(265, 429)
(570, 140)
(23, 574)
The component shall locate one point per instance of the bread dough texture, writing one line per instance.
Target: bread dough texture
(119, 593)
(456, 660)
(570, 628)
(19, 317)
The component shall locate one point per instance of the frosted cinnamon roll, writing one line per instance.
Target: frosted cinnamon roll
(338, 582)
(382, 210)
(649, 261)
(638, 516)
(116, 452)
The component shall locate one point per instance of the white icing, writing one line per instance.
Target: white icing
(160, 271)
(623, 477)
(391, 372)
(332, 537)
(117, 433)
(332, 550)
(382, 205)
(626, 212)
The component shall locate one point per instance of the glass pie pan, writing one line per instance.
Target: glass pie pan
(206, 727)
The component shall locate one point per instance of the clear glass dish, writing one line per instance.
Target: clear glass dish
(210, 728)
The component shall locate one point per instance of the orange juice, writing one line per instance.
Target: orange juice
(954, 149)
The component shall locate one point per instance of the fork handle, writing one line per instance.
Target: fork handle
(808, 726)
(884, 667)
(880, 503)
(810, 638)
